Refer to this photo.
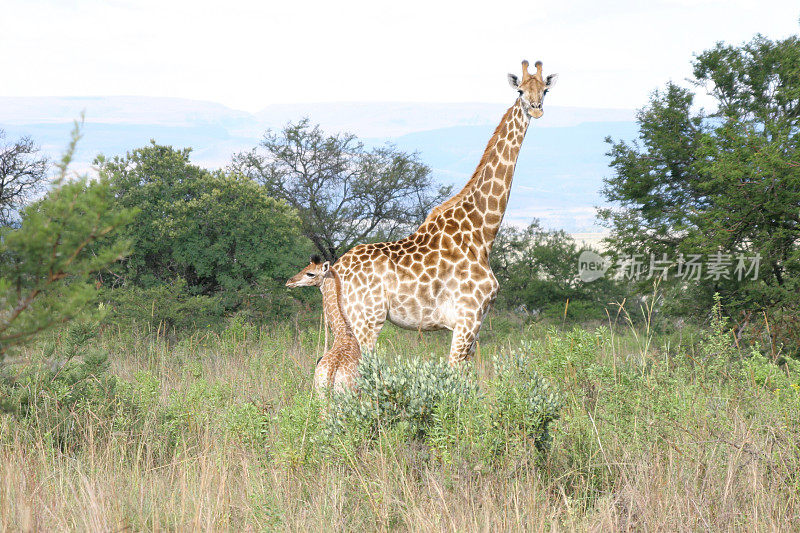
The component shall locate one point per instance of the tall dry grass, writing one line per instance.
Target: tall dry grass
(645, 443)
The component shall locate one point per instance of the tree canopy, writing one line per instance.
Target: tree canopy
(49, 261)
(723, 183)
(537, 270)
(344, 193)
(23, 174)
(212, 230)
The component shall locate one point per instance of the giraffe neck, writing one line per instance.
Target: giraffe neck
(492, 179)
(335, 310)
(483, 199)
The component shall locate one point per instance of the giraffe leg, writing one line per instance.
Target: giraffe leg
(345, 376)
(366, 331)
(324, 374)
(321, 376)
(465, 337)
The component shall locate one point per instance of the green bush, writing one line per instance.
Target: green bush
(68, 396)
(722, 361)
(406, 392)
(48, 264)
(514, 411)
(67, 388)
(174, 306)
(247, 422)
(536, 269)
(217, 232)
(577, 311)
(266, 301)
(522, 405)
(416, 399)
(300, 431)
(573, 354)
(163, 307)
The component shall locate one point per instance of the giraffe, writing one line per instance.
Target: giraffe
(439, 276)
(337, 368)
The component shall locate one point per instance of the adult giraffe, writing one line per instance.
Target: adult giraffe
(439, 276)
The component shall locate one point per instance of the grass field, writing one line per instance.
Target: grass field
(216, 431)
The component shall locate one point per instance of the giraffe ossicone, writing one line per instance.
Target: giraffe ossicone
(439, 276)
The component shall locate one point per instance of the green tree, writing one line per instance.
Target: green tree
(726, 182)
(344, 193)
(23, 174)
(538, 270)
(210, 230)
(49, 262)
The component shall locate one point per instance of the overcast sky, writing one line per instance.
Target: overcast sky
(249, 54)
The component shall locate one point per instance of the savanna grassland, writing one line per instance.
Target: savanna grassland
(155, 373)
(219, 430)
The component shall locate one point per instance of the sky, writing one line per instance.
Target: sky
(250, 54)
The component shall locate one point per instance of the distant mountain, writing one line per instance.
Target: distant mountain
(559, 173)
(390, 119)
(558, 178)
(120, 110)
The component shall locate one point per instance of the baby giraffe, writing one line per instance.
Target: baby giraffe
(337, 368)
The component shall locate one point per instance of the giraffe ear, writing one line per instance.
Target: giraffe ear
(551, 80)
(326, 266)
(513, 80)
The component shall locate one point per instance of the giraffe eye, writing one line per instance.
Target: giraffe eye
(310, 274)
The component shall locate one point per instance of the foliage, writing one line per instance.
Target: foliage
(23, 174)
(722, 183)
(59, 393)
(210, 230)
(717, 345)
(344, 193)
(415, 399)
(538, 272)
(514, 412)
(49, 261)
(184, 416)
(163, 307)
(69, 388)
(406, 393)
(524, 404)
(300, 431)
(723, 361)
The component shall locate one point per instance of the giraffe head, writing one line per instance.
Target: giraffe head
(532, 88)
(312, 275)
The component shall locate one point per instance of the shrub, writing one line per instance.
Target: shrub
(523, 404)
(722, 361)
(515, 410)
(300, 431)
(164, 307)
(429, 400)
(717, 345)
(48, 263)
(406, 392)
(67, 388)
(247, 422)
(214, 231)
